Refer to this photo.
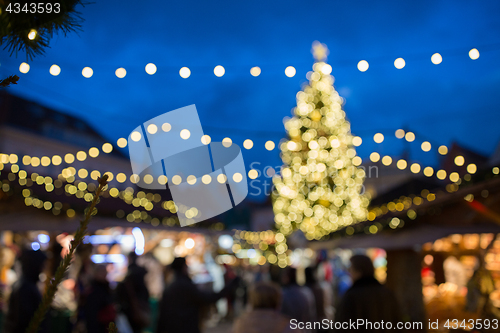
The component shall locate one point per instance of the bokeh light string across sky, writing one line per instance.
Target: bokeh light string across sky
(219, 70)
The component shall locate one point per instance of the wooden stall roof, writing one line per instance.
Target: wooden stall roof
(471, 209)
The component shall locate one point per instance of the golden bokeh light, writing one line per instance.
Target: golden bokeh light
(185, 134)
(374, 157)
(83, 173)
(185, 72)
(81, 155)
(426, 146)
(45, 161)
(32, 34)
(415, 168)
(176, 179)
(248, 144)
(378, 138)
(136, 136)
(55, 70)
(471, 168)
(219, 71)
(356, 161)
(69, 158)
(121, 177)
(107, 148)
(363, 66)
(206, 179)
(459, 160)
(166, 127)
(357, 141)
(474, 54)
(162, 180)
(134, 179)
(290, 71)
(121, 142)
(237, 177)
(255, 71)
(35, 161)
(150, 68)
(121, 73)
(56, 160)
(428, 171)
(87, 72)
(386, 160)
(221, 178)
(441, 174)
(95, 174)
(152, 129)
(110, 175)
(93, 152)
(270, 145)
(206, 139)
(191, 180)
(410, 136)
(401, 164)
(326, 69)
(399, 63)
(227, 142)
(436, 58)
(252, 174)
(24, 68)
(443, 150)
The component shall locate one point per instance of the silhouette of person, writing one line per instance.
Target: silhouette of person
(99, 308)
(26, 297)
(182, 301)
(265, 299)
(367, 299)
(133, 296)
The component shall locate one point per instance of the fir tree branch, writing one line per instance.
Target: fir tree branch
(15, 27)
(8, 81)
(50, 292)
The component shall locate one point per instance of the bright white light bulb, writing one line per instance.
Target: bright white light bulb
(436, 59)
(219, 71)
(399, 63)
(290, 71)
(55, 70)
(363, 66)
(185, 72)
(474, 54)
(151, 68)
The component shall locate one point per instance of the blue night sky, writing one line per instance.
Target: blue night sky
(456, 100)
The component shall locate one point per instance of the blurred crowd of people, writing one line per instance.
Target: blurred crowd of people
(258, 298)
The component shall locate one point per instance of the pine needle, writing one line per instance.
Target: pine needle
(50, 292)
(8, 81)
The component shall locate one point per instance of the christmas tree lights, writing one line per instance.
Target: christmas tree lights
(320, 188)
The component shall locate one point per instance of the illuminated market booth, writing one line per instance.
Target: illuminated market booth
(441, 242)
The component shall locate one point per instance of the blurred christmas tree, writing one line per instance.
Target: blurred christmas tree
(320, 188)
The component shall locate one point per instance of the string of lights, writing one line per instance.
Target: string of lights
(402, 164)
(83, 190)
(271, 244)
(219, 70)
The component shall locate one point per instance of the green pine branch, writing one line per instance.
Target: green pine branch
(15, 27)
(50, 292)
(8, 81)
